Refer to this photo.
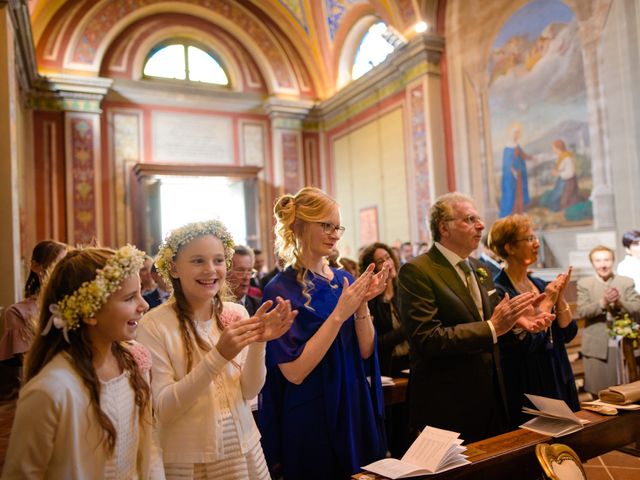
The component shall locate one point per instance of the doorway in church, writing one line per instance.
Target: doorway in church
(171, 200)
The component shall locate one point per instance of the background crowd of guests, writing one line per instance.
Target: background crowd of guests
(465, 318)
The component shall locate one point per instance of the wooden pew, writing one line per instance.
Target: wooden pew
(512, 455)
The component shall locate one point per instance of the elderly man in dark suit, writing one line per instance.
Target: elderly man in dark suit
(239, 277)
(450, 312)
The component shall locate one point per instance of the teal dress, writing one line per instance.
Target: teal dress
(333, 422)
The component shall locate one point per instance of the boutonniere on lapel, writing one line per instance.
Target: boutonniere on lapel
(482, 274)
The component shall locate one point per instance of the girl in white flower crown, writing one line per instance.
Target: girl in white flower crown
(208, 360)
(85, 410)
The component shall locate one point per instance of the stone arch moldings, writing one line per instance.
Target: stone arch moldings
(88, 38)
(125, 57)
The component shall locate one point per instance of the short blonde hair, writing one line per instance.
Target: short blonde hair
(293, 215)
(442, 210)
(506, 231)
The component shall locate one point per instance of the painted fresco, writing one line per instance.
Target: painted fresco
(538, 108)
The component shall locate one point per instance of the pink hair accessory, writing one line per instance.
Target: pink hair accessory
(141, 356)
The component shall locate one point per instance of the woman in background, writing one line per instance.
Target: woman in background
(393, 347)
(534, 362)
(20, 318)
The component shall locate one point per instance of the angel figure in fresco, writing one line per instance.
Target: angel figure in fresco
(515, 184)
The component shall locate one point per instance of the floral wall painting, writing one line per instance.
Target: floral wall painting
(538, 108)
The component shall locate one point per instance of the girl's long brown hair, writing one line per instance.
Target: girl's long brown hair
(77, 267)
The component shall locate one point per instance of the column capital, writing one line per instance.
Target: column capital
(70, 93)
(287, 113)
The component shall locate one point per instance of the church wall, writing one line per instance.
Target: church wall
(370, 170)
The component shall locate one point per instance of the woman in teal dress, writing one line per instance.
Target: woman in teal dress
(533, 362)
(321, 410)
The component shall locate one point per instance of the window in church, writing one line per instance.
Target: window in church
(182, 61)
(376, 45)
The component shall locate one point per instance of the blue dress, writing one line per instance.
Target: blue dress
(512, 158)
(333, 422)
(535, 363)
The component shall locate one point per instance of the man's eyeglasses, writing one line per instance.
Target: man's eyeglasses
(530, 239)
(469, 219)
(329, 228)
(244, 273)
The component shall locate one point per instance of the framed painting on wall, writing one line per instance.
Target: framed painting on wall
(368, 225)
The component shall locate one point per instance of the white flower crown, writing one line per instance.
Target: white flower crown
(183, 235)
(93, 294)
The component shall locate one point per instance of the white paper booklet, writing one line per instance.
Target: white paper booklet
(434, 451)
(553, 417)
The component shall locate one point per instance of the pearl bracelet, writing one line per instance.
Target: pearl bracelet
(564, 309)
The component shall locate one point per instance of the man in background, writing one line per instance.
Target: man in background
(239, 278)
(406, 252)
(161, 293)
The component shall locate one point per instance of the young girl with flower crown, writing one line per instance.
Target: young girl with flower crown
(208, 360)
(85, 410)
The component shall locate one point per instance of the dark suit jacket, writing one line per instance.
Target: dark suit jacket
(153, 298)
(388, 337)
(252, 304)
(456, 380)
(264, 281)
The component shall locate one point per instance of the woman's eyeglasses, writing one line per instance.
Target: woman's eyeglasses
(329, 228)
(381, 260)
(530, 239)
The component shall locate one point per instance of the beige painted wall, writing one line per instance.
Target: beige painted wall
(370, 171)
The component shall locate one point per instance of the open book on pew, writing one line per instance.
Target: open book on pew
(553, 417)
(434, 451)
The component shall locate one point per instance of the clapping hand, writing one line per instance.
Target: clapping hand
(353, 295)
(277, 321)
(535, 319)
(509, 310)
(237, 335)
(378, 282)
(611, 297)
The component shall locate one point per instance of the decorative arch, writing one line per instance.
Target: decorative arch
(125, 56)
(84, 40)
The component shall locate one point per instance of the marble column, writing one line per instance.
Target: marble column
(79, 99)
(287, 118)
(602, 195)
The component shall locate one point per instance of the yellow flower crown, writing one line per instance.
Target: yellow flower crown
(93, 294)
(183, 235)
